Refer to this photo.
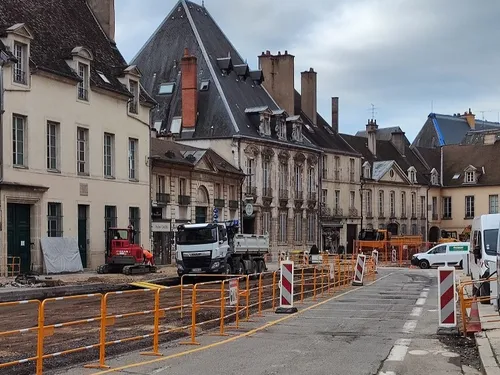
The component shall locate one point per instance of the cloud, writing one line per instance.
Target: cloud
(407, 57)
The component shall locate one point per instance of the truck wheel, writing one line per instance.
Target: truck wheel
(227, 269)
(424, 264)
(241, 268)
(261, 266)
(255, 266)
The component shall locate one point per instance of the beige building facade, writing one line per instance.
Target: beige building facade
(75, 142)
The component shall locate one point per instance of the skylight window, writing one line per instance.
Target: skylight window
(103, 77)
(166, 88)
(175, 126)
(158, 126)
(308, 128)
(204, 85)
(456, 176)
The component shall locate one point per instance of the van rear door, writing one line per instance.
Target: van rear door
(456, 254)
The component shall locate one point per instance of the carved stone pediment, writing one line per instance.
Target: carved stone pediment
(251, 151)
(267, 153)
(312, 160)
(283, 156)
(299, 158)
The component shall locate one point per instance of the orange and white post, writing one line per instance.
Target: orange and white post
(286, 288)
(375, 260)
(359, 271)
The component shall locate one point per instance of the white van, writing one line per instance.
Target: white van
(446, 254)
(483, 254)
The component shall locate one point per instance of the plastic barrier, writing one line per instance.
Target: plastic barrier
(360, 270)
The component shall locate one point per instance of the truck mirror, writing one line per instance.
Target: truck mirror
(477, 252)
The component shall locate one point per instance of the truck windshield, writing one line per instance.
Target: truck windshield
(196, 236)
(490, 237)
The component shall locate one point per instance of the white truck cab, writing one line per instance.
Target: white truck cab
(446, 254)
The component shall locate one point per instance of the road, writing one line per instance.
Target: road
(385, 327)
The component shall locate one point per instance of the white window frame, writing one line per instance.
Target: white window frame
(20, 68)
(493, 204)
(83, 85)
(447, 208)
(266, 174)
(250, 177)
(299, 181)
(133, 171)
(392, 203)
(337, 199)
(337, 169)
(311, 181)
(352, 173)
(469, 206)
(109, 155)
(324, 196)
(52, 146)
(352, 199)
(324, 172)
(403, 204)
(470, 177)
(368, 201)
(18, 120)
(54, 218)
(82, 151)
(413, 204)
(134, 89)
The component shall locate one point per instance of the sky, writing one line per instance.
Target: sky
(405, 58)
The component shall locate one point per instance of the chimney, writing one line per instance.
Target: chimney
(335, 114)
(371, 134)
(104, 12)
(398, 140)
(470, 118)
(279, 78)
(154, 132)
(309, 94)
(189, 72)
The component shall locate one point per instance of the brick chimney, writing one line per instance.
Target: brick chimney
(279, 78)
(189, 73)
(104, 12)
(470, 118)
(371, 135)
(335, 114)
(398, 140)
(309, 94)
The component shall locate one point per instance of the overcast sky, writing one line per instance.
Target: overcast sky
(403, 56)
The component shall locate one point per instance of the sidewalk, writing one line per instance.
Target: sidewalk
(488, 341)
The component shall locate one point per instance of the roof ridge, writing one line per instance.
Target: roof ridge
(209, 64)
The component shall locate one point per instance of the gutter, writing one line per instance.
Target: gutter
(442, 166)
(2, 100)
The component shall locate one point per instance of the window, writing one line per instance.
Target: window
(135, 221)
(368, 194)
(414, 230)
(82, 151)
(283, 180)
(266, 222)
(352, 199)
(439, 250)
(434, 177)
(265, 124)
(381, 203)
(204, 85)
(324, 172)
(166, 88)
(337, 199)
(351, 170)
(232, 193)
(20, 67)
(281, 128)
(283, 225)
(392, 203)
(52, 145)
(403, 204)
(266, 177)
(367, 172)
(413, 205)
(133, 105)
(18, 140)
(435, 208)
(103, 77)
(311, 228)
(182, 186)
(493, 205)
(412, 174)
(337, 168)
(446, 207)
(132, 159)
(249, 179)
(109, 219)
(160, 184)
(109, 151)
(54, 220)
(423, 209)
(298, 182)
(469, 206)
(403, 229)
(469, 177)
(324, 196)
(298, 227)
(218, 191)
(83, 85)
(311, 182)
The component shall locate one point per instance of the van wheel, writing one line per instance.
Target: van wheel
(461, 265)
(424, 264)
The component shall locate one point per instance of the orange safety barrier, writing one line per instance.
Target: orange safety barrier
(395, 252)
(13, 266)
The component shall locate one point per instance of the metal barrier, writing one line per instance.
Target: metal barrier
(13, 266)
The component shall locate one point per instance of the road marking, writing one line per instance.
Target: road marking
(386, 373)
(424, 294)
(420, 301)
(409, 326)
(417, 311)
(234, 338)
(398, 351)
(426, 289)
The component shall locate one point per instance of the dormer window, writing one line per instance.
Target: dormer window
(265, 124)
(434, 177)
(469, 177)
(133, 106)
(281, 128)
(83, 85)
(412, 175)
(367, 171)
(20, 67)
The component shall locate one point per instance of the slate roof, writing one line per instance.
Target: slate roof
(440, 130)
(380, 168)
(58, 26)
(386, 151)
(382, 133)
(478, 137)
(6, 55)
(189, 156)
(431, 156)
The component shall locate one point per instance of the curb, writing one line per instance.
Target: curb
(488, 360)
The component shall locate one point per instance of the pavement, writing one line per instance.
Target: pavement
(386, 327)
(488, 341)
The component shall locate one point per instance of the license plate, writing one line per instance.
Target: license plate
(196, 269)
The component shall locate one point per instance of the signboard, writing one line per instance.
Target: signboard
(233, 292)
(458, 248)
(249, 209)
(332, 271)
(216, 214)
(160, 226)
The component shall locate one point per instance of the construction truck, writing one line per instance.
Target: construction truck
(123, 255)
(218, 248)
(448, 236)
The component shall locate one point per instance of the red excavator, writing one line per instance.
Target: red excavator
(123, 255)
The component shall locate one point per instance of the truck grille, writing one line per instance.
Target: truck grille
(197, 262)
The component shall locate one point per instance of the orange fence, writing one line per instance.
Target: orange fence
(391, 253)
(13, 266)
(96, 322)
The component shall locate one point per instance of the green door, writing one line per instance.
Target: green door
(18, 234)
(82, 233)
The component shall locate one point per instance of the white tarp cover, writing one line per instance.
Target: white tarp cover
(61, 254)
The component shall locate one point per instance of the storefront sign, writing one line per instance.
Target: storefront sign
(160, 226)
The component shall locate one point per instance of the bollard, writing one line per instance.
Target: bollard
(375, 260)
(286, 289)
(359, 270)
(446, 297)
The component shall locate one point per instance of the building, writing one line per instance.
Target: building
(465, 184)
(440, 130)
(394, 181)
(76, 130)
(189, 185)
(209, 97)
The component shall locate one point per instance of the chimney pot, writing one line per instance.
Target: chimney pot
(189, 77)
(286, 52)
(335, 114)
(104, 12)
(309, 95)
(279, 53)
(268, 52)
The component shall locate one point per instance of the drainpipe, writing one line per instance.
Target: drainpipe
(427, 213)
(241, 186)
(442, 166)
(2, 99)
(319, 197)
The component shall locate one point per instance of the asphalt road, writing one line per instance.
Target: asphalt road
(388, 327)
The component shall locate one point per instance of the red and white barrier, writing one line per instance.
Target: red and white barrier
(359, 271)
(286, 288)
(375, 260)
(447, 310)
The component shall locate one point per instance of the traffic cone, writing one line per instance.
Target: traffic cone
(474, 323)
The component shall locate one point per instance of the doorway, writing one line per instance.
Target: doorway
(434, 234)
(249, 225)
(83, 214)
(19, 234)
(351, 237)
(200, 214)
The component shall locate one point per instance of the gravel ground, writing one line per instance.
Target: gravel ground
(465, 346)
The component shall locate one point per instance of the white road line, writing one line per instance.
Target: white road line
(424, 294)
(417, 311)
(386, 373)
(399, 350)
(409, 326)
(420, 301)
(426, 289)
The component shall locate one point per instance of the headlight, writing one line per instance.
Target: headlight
(179, 266)
(215, 265)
